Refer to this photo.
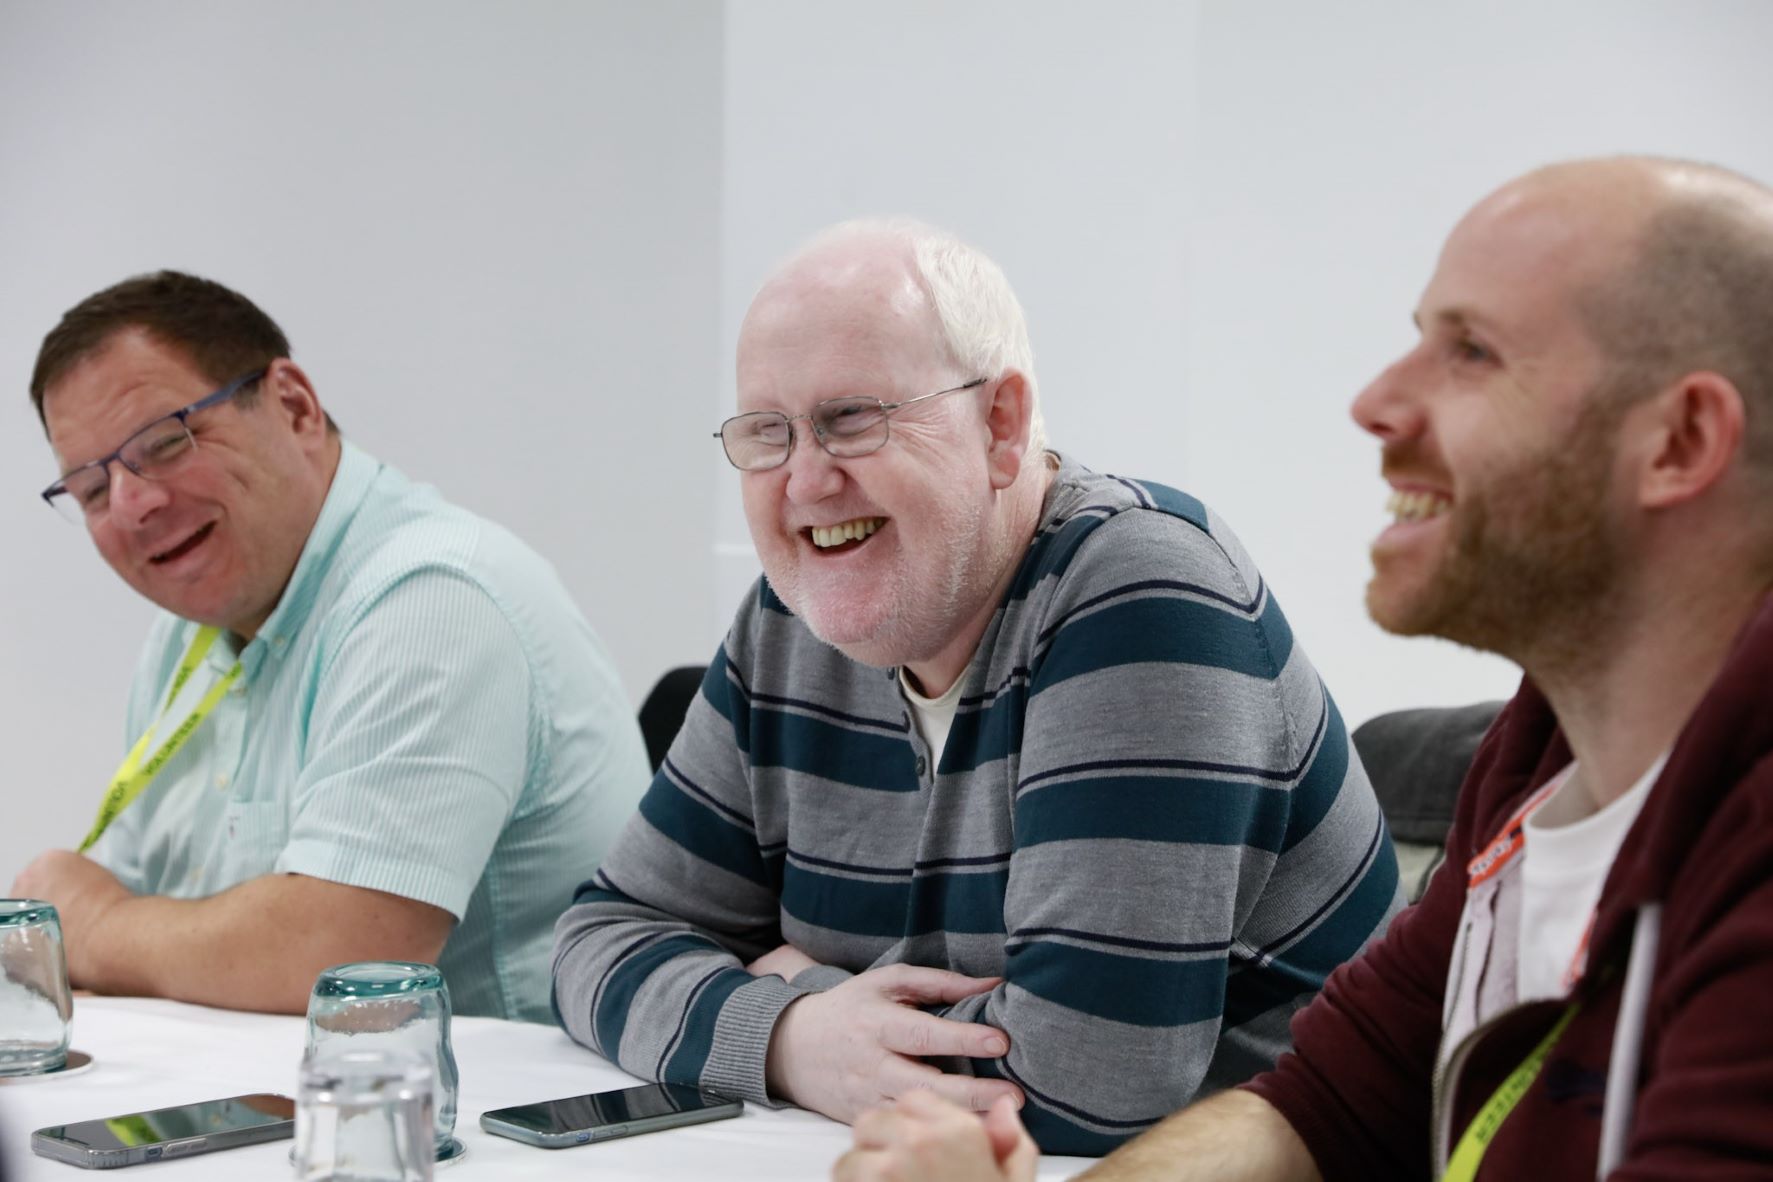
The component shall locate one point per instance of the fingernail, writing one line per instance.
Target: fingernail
(996, 1046)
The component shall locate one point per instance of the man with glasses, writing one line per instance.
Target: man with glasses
(1580, 454)
(368, 726)
(1009, 780)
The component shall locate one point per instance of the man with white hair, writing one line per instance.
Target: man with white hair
(1009, 780)
(1581, 448)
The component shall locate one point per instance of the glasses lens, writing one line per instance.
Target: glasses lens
(157, 445)
(757, 440)
(850, 426)
(88, 490)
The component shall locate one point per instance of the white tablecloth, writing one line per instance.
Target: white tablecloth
(149, 1054)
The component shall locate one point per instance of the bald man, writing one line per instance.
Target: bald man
(1580, 450)
(1010, 778)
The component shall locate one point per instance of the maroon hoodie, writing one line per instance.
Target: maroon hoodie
(1359, 1088)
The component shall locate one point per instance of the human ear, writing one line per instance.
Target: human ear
(1690, 434)
(1008, 419)
(293, 395)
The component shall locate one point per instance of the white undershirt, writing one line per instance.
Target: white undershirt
(1569, 847)
(934, 716)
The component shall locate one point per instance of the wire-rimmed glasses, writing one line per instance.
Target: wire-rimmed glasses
(150, 453)
(845, 427)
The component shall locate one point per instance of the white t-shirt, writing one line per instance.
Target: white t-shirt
(1568, 849)
(934, 717)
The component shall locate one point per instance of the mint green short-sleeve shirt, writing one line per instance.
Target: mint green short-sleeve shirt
(425, 713)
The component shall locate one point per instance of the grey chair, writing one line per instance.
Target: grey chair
(1416, 760)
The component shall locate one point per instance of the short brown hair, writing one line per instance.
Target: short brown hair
(224, 334)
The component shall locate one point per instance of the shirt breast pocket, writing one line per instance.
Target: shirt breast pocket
(253, 833)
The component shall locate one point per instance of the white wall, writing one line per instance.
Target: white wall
(491, 234)
(1338, 144)
(513, 243)
(1219, 216)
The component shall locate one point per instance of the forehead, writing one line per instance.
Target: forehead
(1519, 262)
(127, 382)
(829, 328)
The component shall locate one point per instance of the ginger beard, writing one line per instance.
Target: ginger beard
(1532, 559)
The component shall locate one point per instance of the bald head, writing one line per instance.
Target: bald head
(904, 271)
(1682, 278)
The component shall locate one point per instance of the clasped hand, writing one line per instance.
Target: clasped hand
(849, 1048)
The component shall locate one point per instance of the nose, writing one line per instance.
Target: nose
(1389, 407)
(813, 473)
(133, 497)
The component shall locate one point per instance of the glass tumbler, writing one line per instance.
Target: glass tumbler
(391, 1005)
(35, 1006)
(363, 1115)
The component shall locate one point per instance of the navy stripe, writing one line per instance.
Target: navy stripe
(981, 860)
(1143, 497)
(1127, 589)
(704, 796)
(1019, 674)
(852, 867)
(1178, 809)
(610, 1010)
(1025, 935)
(691, 1056)
(1164, 628)
(1352, 914)
(818, 748)
(965, 903)
(702, 831)
(970, 903)
(977, 737)
(1142, 991)
(1049, 554)
(1177, 503)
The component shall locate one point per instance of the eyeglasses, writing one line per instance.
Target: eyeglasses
(151, 453)
(844, 427)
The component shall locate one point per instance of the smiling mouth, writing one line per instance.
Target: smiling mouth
(184, 547)
(844, 535)
(1416, 506)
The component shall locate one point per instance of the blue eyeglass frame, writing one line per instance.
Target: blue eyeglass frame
(183, 414)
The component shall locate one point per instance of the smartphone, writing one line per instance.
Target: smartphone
(168, 1132)
(604, 1116)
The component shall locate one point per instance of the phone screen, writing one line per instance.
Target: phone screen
(173, 1124)
(553, 1117)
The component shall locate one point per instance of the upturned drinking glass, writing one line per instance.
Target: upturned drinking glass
(364, 1115)
(35, 1006)
(393, 1006)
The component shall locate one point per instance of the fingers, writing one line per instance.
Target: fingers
(905, 1078)
(1011, 1145)
(915, 983)
(921, 1035)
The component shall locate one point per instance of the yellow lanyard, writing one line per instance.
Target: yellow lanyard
(133, 775)
(1463, 1166)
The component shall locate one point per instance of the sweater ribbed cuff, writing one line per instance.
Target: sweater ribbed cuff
(735, 1064)
(820, 977)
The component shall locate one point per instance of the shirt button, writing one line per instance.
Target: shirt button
(221, 782)
(922, 765)
(238, 688)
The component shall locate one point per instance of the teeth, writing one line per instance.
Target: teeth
(826, 536)
(1416, 506)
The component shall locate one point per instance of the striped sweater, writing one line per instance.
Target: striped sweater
(1147, 819)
